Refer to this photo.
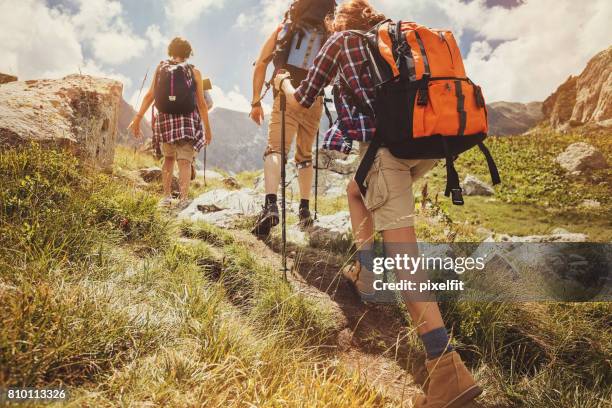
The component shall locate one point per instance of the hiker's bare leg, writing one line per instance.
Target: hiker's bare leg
(184, 178)
(272, 172)
(425, 315)
(167, 172)
(305, 176)
(361, 219)
(363, 232)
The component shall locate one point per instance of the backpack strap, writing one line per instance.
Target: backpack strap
(495, 179)
(366, 164)
(453, 188)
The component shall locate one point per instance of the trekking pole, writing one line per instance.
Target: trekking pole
(138, 100)
(283, 109)
(204, 165)
(316, 186)
(331, 122)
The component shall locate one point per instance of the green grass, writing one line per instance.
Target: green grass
(536, 194)
(99, 293)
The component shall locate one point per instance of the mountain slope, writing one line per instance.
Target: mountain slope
(586, 99)
(238, 143)
(513, 118)
(126, 114)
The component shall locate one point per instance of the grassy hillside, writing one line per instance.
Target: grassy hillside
(103, 293)
(99, 294)
(536, 194)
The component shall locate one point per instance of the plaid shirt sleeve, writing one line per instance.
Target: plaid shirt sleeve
(322, 72)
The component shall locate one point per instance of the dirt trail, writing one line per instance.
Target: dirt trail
(371, 339)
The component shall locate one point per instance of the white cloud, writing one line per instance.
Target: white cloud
(542, 41)
(101, 23)
(39, 42)
(29, 38)
(243, 21)
(184, 12)
(264, 18)
(155, 37)
(233, 99)
(115, 48)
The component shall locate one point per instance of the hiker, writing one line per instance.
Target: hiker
(388, 204)
(292, 47)
(178, 133)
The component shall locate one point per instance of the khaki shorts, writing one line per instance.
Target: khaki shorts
(181, 150)
(389, 196)
(300, 122)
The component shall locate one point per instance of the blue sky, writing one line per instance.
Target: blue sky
(518, 51)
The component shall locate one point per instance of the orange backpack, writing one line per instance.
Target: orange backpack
(426, 107)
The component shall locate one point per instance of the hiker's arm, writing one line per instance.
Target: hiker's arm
(259, 77)
(147, 101)
(202, 106)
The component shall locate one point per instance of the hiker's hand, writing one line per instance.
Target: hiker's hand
(207, 137)
(257, 114)
(134, 127)
(279, 78)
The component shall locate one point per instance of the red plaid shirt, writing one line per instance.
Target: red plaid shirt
(170, 128)
(344, 54)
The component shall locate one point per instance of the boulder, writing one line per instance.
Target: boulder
(590, 204)
(231, 182)
(332, 232)
(542, 270)
(223, 208)
(472, 186)
(78, 113)
(210, 175)
(5, 78)
(154, 175)
(331, 184)
(581, 156)
(338, 163)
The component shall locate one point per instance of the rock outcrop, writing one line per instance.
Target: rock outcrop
(77, 112)
(585, 100)
(513, 118)
(6, 78)
(223, 208)
(331, 232)
(559, 236)
(581, 156)
(154, 175)
(337, 162)
(332, 180)
(472, 186)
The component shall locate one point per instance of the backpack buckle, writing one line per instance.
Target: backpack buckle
(457, 196)
(422, 97)
(402, 49)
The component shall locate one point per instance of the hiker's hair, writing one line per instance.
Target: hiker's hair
(179, 48)
(354, 15)
(310, 11)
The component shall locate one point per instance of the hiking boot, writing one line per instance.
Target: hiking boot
(306, 219)
(267, 219)
(451, 385)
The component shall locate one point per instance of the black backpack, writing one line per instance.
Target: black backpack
(302, 36)
(175, 89)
